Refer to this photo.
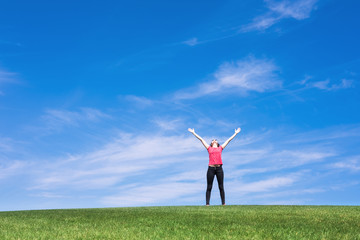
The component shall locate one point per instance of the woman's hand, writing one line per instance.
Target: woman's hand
(227, 141)
(198, 137)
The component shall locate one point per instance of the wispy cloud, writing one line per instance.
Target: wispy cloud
(156, 194)
(276, 12)
(55, 119)
(279, 10)
(265, 185)
(352, 164)
(7, 77)
(324, 135)
(343, 185)
(298, 10)
(191, 42)
(137, 100)
(241, 77)
(125, 156)
(11, 168)
(274, 158)
(48, 195)
(327, 85)
(6, 144)
(290, 158)
(252, 166)
(286, 197)
(169, 124)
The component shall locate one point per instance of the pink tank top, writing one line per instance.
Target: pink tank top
(215, 155)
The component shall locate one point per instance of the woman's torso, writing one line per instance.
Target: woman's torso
(215, 155)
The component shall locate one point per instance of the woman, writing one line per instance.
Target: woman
(215, 164)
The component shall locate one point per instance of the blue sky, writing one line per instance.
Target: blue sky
(96, 98)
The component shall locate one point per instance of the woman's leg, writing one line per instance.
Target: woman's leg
(210, 178)
(220, 180)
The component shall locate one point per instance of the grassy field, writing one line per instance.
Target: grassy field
(186, 222)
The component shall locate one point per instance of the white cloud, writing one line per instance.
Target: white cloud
(186, 184)
(260, 23)
(239, 77)
(298, 10)
(352, 164)
(262, 185)
(153, 194)
(344, 185)
(276, 12)
(55, 119)
(324, 135)
(289, 158)
(284, 197)
(10, 158)
(254, 75)
(191, 42)
(169, 124)
(274, 158)
(138, 100)
(11, 168)
(48, 195)
(125, 156)
(279, 10)
(6, 144)
(247, 155)
(7, 77)
(126, 167)
(328, 86)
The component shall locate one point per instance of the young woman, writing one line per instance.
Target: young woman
(215, 164)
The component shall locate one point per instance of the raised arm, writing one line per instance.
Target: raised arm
(231, 138)
(198, 137)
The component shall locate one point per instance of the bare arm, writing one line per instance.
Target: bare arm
(198, 137)
(231, 138)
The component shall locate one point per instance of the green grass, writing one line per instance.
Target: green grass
(190, 222)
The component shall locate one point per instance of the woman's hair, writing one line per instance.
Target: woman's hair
(218, 144)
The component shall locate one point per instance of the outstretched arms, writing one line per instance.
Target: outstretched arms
(198, 137)
(231, 138)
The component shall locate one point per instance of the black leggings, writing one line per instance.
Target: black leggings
(212, 171)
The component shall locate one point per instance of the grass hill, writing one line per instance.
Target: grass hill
(185, 222)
